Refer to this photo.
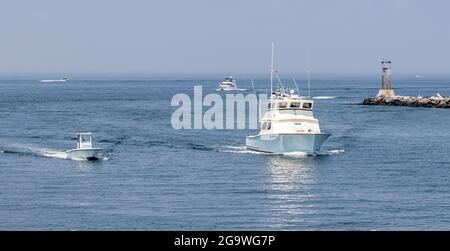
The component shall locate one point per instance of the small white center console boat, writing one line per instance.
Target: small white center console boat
(85, 149)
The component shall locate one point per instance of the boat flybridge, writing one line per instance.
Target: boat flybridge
(228, 84)
(85, 149)
(288, 125)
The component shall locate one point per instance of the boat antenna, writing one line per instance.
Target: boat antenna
(271, 74)
(307, 70)
(253, 86)
(296, 86)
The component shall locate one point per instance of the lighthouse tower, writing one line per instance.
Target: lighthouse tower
(386, 87)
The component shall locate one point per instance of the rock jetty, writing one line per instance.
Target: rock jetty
(436, 101)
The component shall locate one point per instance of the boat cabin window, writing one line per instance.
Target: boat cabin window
(84, 138)
(271, 105)
(264, 126)
(282, 105)
(307, 105)
(295, 105)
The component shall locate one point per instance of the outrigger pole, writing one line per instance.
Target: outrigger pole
(271, 74)
(307, 69)
(296, 86)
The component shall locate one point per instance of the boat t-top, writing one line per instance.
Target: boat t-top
(228, 84)
(85, 149)
(288, 125)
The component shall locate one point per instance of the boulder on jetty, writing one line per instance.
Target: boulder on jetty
(436, 101)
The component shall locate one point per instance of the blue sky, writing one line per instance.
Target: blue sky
(233, 36)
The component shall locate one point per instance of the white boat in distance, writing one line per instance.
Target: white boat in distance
(85, 149)
(55, 80)
(288, 126)
(228, 84)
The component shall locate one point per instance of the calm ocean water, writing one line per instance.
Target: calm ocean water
(384, 168)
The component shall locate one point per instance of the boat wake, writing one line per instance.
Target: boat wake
(244, 150)
(239, 149)
(330, 152)
(324, 97)
(232, 90)
(296, 154)
(33, 151)
(316, 154)
(43, 152)
(52, 81)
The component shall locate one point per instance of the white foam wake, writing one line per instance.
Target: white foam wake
(231, 90)
(297, 154)
(245, 150)
(53, 154)
(324, 97)
(52, 80)
(329, 152)
(336, 152)
(238, 149)
(320, 153)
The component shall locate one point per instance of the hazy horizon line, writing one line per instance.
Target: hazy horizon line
(186, 76)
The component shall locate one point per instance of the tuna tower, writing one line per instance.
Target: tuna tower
(386, 87)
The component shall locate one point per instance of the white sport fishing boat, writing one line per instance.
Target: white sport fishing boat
(228, 84)
(288, 126)
(85, 149)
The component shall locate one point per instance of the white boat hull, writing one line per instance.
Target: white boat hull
(287, 143)
(227, 88)
(84, 154)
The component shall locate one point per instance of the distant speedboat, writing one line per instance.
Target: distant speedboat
(228, 84)
(85, 149)
(55, 80)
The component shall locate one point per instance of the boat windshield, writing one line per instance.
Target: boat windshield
(282, 105)
(83, 138)
(307, 105)
(292, 105)
(295, 105)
